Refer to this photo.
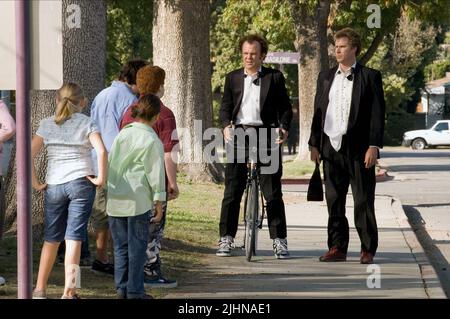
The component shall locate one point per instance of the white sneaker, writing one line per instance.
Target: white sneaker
(2, 281)
(280, 248)
(225, 245)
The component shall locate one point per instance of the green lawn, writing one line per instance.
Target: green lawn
(296, 169)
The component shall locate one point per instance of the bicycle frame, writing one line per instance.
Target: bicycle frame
(253, 177)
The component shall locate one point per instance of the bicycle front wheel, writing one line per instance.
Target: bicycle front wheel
(251, 211)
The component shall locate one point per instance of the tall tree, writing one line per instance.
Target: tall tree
(181, 47)
(311, 42)
(84, 58)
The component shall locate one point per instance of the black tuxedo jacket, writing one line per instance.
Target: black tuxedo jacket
(276, 108)
(367, 111)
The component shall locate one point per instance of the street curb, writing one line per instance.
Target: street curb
(428, 274)
(295, 181)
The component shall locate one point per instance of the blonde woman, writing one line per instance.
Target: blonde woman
(70, 183)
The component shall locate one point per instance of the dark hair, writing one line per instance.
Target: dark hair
(250, 38)
(147, 108)
(352, 36)
(130, 69)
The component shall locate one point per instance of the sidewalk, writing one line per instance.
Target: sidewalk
(404, 268)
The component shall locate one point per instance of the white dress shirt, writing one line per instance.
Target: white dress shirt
(340, 99)
(249, 114)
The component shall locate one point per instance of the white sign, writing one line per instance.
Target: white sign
(282, 58)
(46, 43)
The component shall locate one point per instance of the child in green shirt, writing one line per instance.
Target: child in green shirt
(136, 181)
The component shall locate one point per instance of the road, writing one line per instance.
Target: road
(421, 180)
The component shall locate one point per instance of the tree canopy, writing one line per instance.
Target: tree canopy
(129, 33)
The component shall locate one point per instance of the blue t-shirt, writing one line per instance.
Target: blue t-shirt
(108, 108)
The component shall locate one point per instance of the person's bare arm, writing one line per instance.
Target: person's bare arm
(102, 159)
(36, 145)
(171, 170)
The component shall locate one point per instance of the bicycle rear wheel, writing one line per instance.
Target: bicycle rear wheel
(251, 211)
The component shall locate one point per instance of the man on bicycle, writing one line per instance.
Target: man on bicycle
(255, 97)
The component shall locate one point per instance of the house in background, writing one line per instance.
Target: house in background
(435, 101)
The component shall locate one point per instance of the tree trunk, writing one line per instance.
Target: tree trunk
(84, 59)
(181, 48)
(311, 43)
(84, 49)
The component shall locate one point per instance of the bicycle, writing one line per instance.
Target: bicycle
(253, 216)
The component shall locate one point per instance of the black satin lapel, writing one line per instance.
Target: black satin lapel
(239, 86)
(356, 97)
(265, 85)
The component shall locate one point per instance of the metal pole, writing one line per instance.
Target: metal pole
(23, 152)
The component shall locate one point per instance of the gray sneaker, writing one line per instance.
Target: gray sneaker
(225, 244)
(280, 248)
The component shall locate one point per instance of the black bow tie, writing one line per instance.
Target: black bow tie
(350, 76)
(257, 80)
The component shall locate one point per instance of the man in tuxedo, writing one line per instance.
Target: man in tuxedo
(347, 133)
(255, 99)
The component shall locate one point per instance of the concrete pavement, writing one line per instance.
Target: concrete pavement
(421, 180)
(403, 268)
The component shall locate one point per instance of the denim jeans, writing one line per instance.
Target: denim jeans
(130, 237)
(68, 207)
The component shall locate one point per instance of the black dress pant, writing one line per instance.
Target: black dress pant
(339, 171)
(235, 183)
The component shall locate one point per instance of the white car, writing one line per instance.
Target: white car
(438, 135)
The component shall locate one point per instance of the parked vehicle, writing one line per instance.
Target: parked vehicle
(437, 135)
